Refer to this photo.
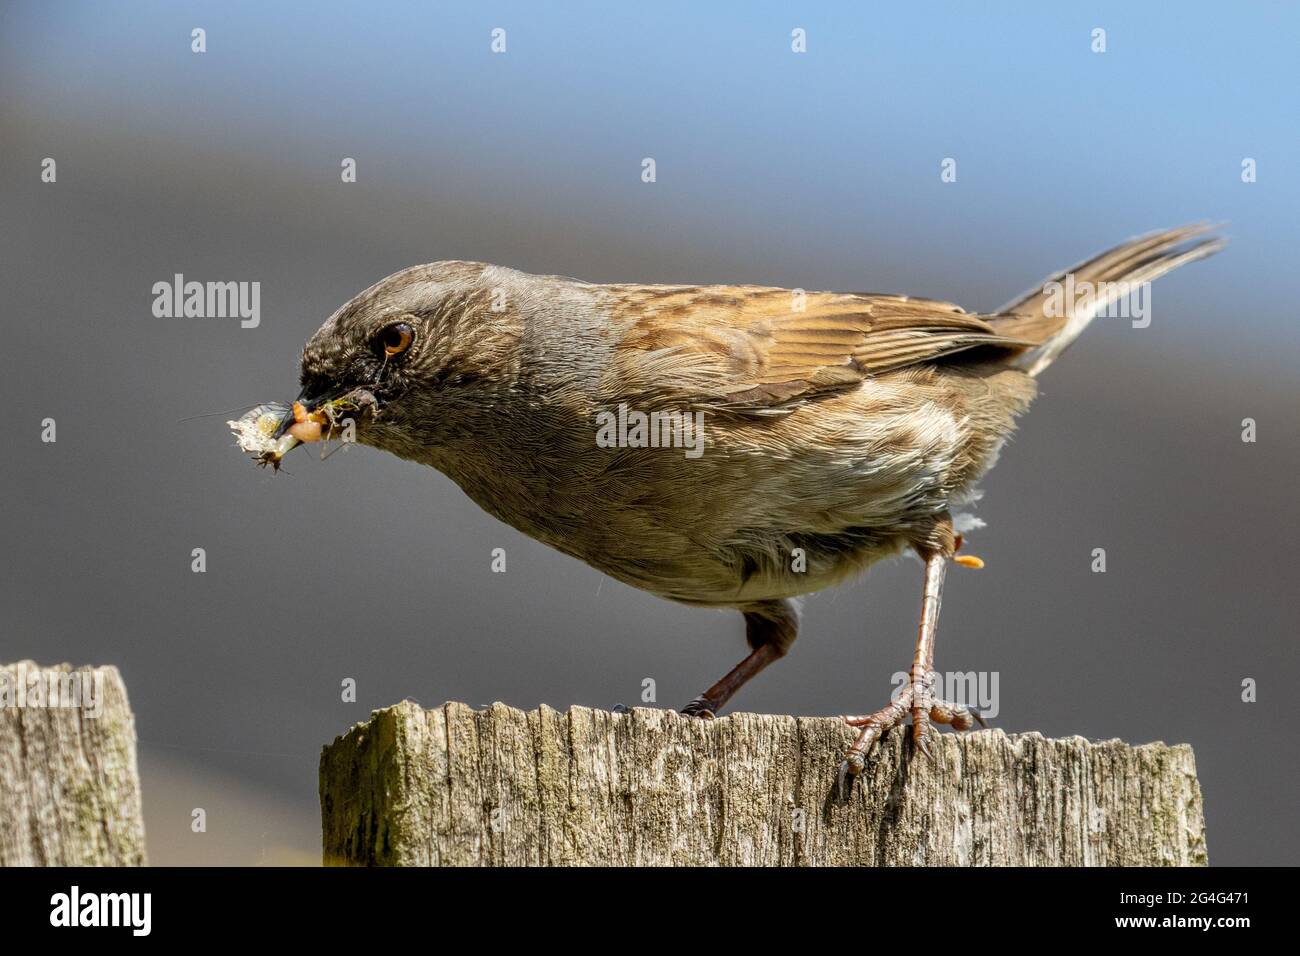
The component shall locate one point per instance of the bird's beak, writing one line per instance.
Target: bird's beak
(285, 421)
(305, 409)
(300, 424)
(271, 431)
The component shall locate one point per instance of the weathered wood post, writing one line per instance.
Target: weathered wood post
(69, 784)
(455, 786)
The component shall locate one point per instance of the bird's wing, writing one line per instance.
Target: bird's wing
(758, 349)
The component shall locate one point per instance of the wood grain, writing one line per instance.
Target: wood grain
(69, 784)
(457, 787)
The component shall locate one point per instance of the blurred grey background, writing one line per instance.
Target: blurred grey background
(818, 170)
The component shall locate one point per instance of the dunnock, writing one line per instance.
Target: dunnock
(723, 446)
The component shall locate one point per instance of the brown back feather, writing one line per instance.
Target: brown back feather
(762, 351)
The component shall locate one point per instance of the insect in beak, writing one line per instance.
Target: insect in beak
(271, 431)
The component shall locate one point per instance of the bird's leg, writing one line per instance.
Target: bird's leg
(936, 563)
(935, 549)
(712, 700)
(770, 628)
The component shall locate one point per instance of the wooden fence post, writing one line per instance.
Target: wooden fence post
(69, 784)
(455, 786)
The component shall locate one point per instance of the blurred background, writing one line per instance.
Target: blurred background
(818, 170)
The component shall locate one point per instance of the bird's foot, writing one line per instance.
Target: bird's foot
(925, 708)
(700, 707)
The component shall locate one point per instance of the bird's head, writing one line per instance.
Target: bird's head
(398, 361)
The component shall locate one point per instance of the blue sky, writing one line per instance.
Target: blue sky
(795, 158)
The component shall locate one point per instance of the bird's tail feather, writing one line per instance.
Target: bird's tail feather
(1040, 316)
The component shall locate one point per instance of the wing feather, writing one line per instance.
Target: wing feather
(759, 349)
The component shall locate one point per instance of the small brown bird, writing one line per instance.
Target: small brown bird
(722, 446)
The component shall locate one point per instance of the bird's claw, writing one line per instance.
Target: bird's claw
(700, 707)
(850, 767)
(871, 727)
(923, 745)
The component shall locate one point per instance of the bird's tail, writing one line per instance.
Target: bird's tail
(1053, 314)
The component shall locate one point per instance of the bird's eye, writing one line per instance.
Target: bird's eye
(396, 339)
